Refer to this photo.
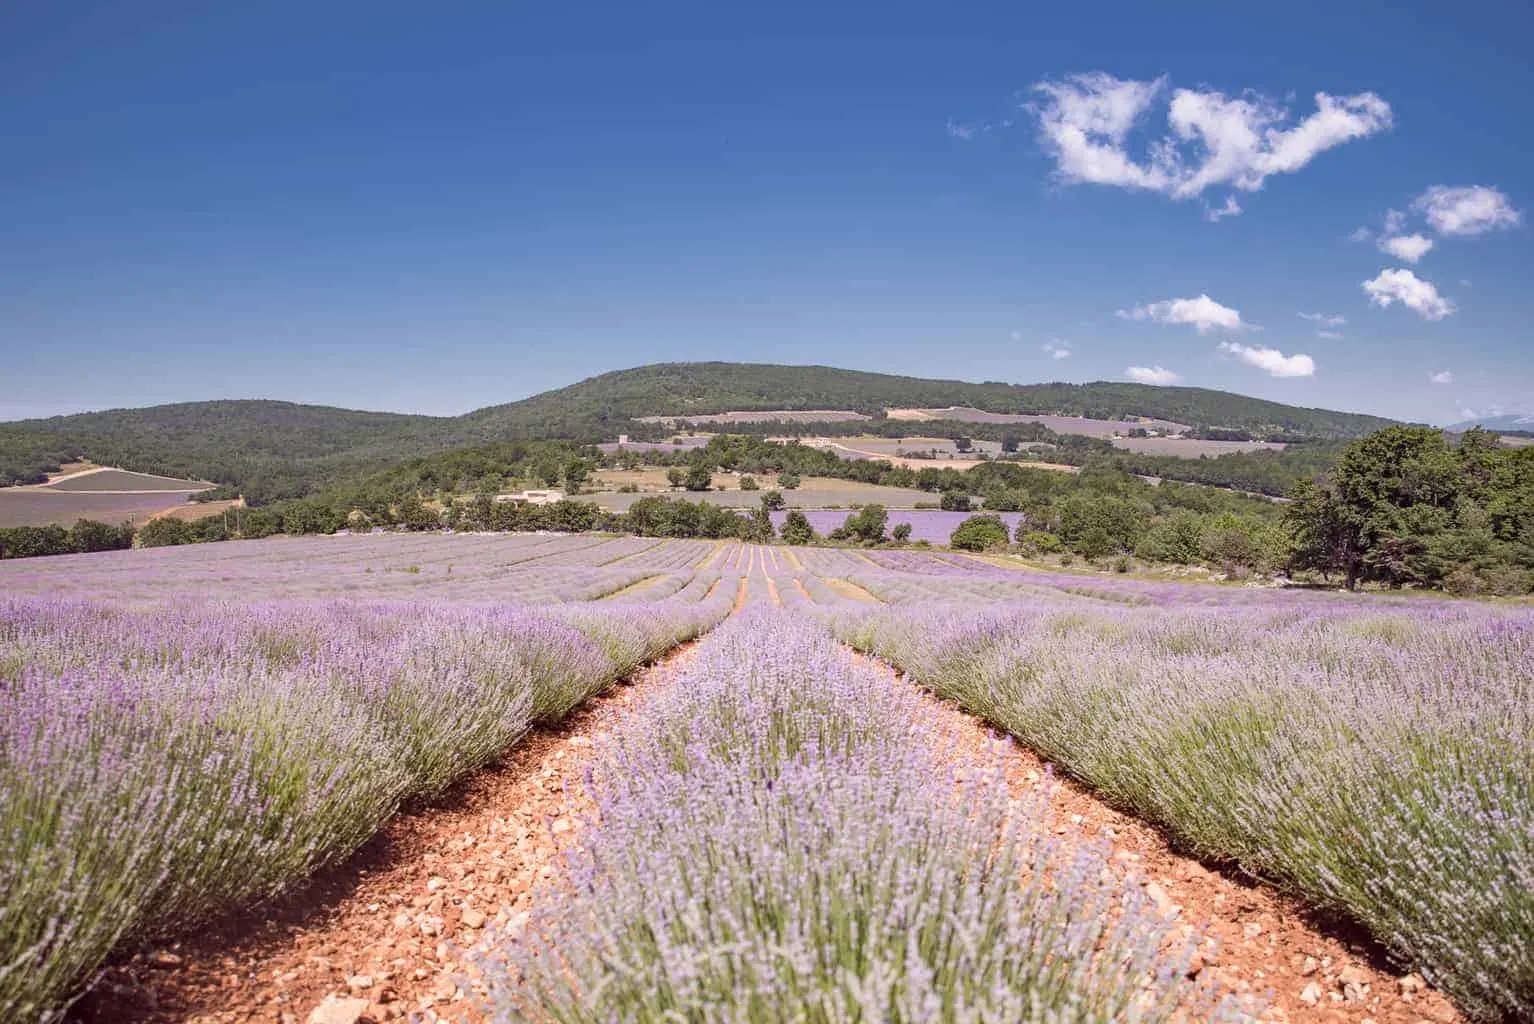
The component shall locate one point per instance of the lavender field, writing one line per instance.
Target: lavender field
(189, 732)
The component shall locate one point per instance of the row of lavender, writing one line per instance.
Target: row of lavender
(160, 767)
(524, 568)
(1376, 759)
(776, 838)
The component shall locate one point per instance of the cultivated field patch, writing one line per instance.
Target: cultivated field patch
(1059, 424)
(1193, 448)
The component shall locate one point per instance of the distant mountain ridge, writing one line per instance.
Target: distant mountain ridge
(1513, 421)
(255, 443)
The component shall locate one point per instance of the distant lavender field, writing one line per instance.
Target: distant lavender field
(44, 506)
(931, 525)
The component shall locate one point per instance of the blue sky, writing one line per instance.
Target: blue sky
(432, 208)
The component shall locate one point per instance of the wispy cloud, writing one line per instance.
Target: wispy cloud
(1466, 209)
(1330, 335)
(1057, 348)
(1202, 313)
(1271, 360)
(1441, 377)
(1411, 291)
(1159, 375)
(1212, 140)
(1217, 214)
(1325, 319)
(958, 130)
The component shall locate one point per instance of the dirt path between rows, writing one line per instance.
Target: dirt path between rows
(1264, 944)
(378, 938)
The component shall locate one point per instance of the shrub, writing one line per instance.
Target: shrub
(796, 529)
(980, 533)
(1038, 541)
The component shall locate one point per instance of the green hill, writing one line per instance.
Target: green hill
(272, 450)
(595, 407)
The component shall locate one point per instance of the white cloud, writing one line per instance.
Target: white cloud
(1325, 319)
(1441, 377)
(1085, 121)
(1274, 362)
(1203, 313)
(1466, 210)
(1411, 291)
(1395, 222)
(1469, 414)
(962, 132)
(1410, 248)
(1015, 335)
(1055, 348)
(1329, 335)
(1230, 209)
(1151, 375)
(1360, 235)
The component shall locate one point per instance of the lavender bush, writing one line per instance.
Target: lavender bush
(161, 766)
(1377, 763)
(775, 841)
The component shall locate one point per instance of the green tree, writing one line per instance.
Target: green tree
(867, 524)
(164, 532)
(1389, 492)
(980, 533)
(901, 533)
(477, 517)
(773, 501)
(576, 474)
(414, 514)
(676, 476)
(33, 541)
(758, 527)
(954, 501)
(748, 483)
(788, 481)
(547, 472)
(699, 478)
(88, 535)
(797, 529)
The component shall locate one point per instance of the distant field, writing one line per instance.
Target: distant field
(193, 510)
(653, 479)
(107, 495)
(1059, 424)
(853, 449)
(1191, 448)
(813, 492)
(684, 444)
(764, 416)
(905, 446)
(44, 506)
(118, 480)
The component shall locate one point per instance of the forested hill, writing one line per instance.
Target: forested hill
(272, 449)
(594, 406)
